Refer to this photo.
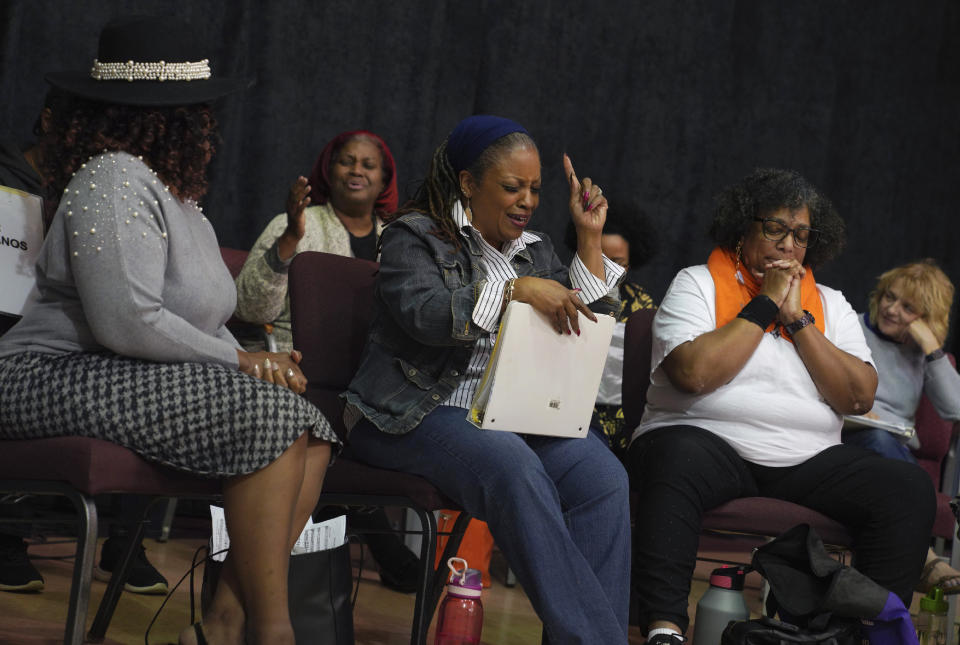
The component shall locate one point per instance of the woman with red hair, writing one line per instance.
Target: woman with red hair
(340, 210)
(353, 186)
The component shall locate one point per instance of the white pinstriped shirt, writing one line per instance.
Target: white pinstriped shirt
(486, 312)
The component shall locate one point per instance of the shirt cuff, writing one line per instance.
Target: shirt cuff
(272, 256)
(591, 287)
(486, 312)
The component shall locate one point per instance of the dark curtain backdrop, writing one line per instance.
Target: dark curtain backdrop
(661, 101)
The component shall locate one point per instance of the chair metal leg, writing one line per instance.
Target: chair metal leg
(430, 579)
(450, 550)
(428, 550)
(82, 568)
(168, 515)
(108, 604)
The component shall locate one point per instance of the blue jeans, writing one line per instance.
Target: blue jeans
(557, 508)
(881, 442)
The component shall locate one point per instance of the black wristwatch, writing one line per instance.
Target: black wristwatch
(799, 323)
(935, 354)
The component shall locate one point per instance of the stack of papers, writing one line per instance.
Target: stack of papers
(860, 421)
(315, 536)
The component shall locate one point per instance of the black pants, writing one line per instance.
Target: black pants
(683, 471)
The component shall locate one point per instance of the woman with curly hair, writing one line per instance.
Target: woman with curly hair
(129, 327)
(906, 326)
(753, 366)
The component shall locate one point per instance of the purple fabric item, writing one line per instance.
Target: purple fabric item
(473, 135)
(892, 626)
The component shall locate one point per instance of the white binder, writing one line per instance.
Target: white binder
(21, 234)
(539, 381)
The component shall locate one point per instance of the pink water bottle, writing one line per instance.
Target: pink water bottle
(460, 618)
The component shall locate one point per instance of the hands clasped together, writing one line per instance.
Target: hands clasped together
(781, 283)
(275, 367)
(588, 209)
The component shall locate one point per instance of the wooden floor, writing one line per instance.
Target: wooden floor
(381, 616)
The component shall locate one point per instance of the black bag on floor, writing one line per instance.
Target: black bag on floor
(769, 631)
(821, 600)
(319, 587)
(807, 582)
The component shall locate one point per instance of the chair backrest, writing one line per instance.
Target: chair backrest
(331, 305)
(935, 435)
(234, 259)
(637, 346)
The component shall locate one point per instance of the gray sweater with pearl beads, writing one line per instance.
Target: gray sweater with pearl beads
(128, 268)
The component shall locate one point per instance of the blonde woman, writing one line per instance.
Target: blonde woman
(906, 326)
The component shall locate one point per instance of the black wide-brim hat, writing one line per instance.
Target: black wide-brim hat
(150, 61)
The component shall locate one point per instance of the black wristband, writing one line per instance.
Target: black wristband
(935, 354)
(761, 311)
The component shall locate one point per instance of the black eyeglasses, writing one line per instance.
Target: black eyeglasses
(775, 230)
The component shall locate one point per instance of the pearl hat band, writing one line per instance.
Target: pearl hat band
(159, 71)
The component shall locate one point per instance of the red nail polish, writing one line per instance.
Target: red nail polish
(578, 332)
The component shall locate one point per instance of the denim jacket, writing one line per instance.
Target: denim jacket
(422, 333)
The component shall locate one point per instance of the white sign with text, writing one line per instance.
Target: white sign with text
(21, 234)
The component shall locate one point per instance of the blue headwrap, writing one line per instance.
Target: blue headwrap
(473, 135)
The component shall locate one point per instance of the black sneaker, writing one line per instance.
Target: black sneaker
(667, 639)
(16, 572)
(142, 578)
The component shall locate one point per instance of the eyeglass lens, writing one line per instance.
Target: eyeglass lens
(775, 231)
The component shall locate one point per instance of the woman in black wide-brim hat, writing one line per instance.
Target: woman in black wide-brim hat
(128, 335)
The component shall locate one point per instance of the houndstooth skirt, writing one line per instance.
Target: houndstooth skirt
(205, 419)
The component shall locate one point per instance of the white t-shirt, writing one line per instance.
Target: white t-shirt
(771, 412)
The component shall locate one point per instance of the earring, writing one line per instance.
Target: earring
(736, 270)
(467, 209)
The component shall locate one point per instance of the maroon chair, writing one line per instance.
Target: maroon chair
(331, 304)
(760, 516)
(937, 455)
(234, 259)
(79, 468)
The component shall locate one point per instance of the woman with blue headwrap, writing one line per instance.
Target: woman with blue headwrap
(451, 261)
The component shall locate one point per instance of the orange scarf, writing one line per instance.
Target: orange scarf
(733, 295)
